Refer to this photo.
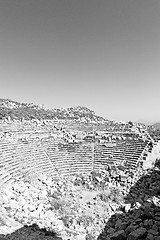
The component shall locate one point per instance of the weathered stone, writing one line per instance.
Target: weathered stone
(137, 205)
(111, 230)
(145, 223)
(118, 223)
(50, 215)
(123, 226)
(153, 232)
(157, 214)
(157, 238)
(138, 233)
(127, 207)
(157, 218)
(157, 223)
(35, 214)
(14, 203)
(31, 207)
(137, 214)
(149, 237)
(150, 222)
(138, 220)
(155, 227)
(130, 229)
(119, 235)
(148, 213)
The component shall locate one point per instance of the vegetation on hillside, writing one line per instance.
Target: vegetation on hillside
(18, 111)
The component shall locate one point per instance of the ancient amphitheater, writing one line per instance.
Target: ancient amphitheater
(69, 174)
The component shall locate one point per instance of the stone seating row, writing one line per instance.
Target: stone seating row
(130, 154)
(20, 159)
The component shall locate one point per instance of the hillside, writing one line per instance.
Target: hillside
(28, 111)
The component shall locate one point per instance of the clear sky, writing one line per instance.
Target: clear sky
(102, 54)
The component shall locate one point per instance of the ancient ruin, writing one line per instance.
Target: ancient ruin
(69, 174)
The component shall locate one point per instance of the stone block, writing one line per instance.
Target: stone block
(138, 233)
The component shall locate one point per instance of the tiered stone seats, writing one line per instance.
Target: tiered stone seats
(33, 158)
(5, 177)
(40, 147)
(19, 160)
(126, 153)
(134, 153)
(70, 158)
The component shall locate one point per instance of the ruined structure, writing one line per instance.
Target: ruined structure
(69, 171)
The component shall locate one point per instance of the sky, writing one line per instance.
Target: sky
(101, 54)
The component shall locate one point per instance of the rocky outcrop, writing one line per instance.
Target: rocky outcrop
(142, 220)
(31, 232)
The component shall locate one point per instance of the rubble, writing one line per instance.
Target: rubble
(63, 207)
(141, 219)
(73, 210)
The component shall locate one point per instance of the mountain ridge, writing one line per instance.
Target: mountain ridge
(13, 110)
(16, 110)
